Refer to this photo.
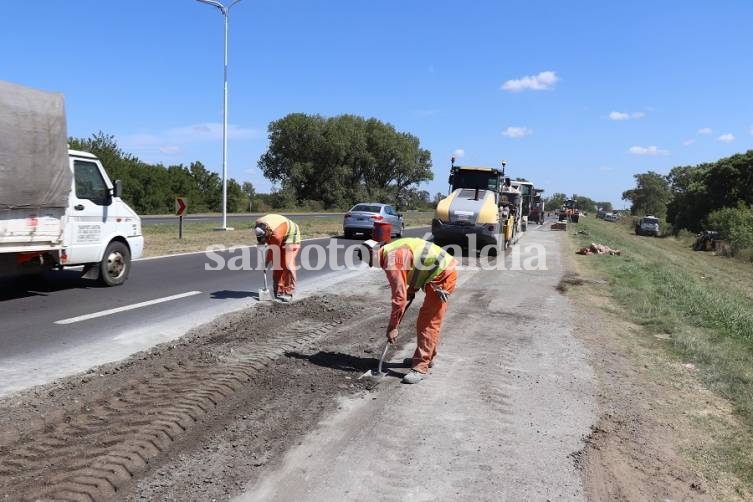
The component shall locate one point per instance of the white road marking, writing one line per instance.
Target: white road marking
(103, 313)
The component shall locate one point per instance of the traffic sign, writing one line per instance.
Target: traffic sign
(181, 203)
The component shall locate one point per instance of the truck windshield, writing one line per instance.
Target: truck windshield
(475, 179)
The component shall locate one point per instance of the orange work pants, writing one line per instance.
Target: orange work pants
(283, 276)
(430, 321)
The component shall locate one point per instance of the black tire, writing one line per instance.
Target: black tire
(348, 234)
(115, 265)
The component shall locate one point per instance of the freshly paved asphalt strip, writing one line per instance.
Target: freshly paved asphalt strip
(36, 350)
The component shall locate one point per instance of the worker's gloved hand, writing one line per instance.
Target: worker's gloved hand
(392, 335)
(443, 295)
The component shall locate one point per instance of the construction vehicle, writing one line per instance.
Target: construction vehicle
(472, 207)
(569, 211)
(536, 211)
(511, 212)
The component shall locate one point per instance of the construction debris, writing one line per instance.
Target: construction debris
(598, 249)
(560, 225)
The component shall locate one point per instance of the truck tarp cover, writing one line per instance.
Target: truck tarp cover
(34, 170)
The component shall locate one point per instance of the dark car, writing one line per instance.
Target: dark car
(648, 225)
(361, 218)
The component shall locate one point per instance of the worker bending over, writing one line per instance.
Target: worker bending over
(283, 238)
(412, 264)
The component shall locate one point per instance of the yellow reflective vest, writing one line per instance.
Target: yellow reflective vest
(429, 260)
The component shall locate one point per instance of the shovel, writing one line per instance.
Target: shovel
(378, 373)
(264, 293)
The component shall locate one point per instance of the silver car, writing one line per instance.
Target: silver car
(361, 217)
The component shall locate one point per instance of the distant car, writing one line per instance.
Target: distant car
(648, 225)
(611, 217)
(361, 217)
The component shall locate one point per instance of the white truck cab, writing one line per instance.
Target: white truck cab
(100, 227)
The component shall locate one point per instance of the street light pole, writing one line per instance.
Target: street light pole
(225, 10)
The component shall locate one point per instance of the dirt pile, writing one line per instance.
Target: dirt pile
(259, 377)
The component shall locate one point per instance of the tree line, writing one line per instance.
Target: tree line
(583, 203)
(152, 188)
(315, 163)
(709, 196)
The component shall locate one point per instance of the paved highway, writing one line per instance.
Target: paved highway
(53, 329)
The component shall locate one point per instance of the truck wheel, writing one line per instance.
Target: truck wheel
(115, 264)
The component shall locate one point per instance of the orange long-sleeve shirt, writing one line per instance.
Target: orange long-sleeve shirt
(394, 266)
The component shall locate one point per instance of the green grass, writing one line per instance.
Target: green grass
(702, 301)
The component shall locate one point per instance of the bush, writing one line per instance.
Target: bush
(735, 225)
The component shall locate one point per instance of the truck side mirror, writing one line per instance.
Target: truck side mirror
(117, 189)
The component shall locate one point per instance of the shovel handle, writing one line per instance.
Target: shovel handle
(381, 359)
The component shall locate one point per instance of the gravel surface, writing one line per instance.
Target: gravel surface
(267, 404)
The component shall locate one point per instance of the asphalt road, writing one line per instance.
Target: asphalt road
(37, 347)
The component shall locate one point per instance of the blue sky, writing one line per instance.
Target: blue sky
(576, 96)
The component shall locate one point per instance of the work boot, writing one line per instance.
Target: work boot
(408, 361)
(285, 298)
(413, 377)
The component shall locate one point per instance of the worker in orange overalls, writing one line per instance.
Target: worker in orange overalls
(412, 264)
(283, 238)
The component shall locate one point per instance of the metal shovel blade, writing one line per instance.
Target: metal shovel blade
(264, 293)
(378, 373)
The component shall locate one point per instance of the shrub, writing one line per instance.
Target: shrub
(735, 224)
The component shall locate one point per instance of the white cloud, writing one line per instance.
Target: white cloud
(705, 130)
(626, 116)
(647, 150)
(688, 142)
(541, 82)
(517, 132)
(726, 138)
(459, 153)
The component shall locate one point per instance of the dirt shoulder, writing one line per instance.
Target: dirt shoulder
(659, 426)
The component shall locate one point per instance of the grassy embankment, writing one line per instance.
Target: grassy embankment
(162, 238)
(701, 304)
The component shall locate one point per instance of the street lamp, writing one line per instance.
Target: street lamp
(226, 14)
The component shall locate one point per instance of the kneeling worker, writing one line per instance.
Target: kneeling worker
(412, 264)
(283, 238)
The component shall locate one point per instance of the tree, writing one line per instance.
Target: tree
(650, 196)
(151, 189)
(605, 206)
(704, 188)
(343, 159)
(555, 201)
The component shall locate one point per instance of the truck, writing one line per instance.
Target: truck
(58, 207)
(471, 207)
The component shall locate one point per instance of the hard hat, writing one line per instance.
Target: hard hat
(261, 235)
(371, 244)
(364, 254)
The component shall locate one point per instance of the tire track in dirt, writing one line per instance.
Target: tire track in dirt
(91, 450)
